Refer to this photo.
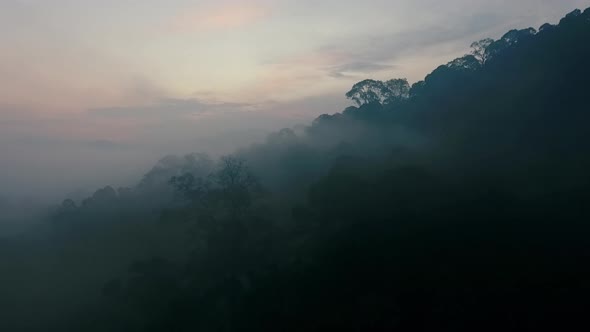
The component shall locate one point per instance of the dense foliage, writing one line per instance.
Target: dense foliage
(461, 203)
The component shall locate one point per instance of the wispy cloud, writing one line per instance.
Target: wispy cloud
(382, 53)
(353, 68)
(311, 73)
(167, 108)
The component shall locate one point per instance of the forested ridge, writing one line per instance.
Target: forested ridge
(460, 202)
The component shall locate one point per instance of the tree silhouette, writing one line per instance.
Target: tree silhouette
(236, 183)
(373, 91)
(442, 212)
(396, 90)
(480, 50)
(366, 92)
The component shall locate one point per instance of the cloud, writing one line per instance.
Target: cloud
(167, 108)
(219, 18)
(382, 53)
(346, 69)
(380, 47)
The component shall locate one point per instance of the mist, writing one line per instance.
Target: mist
(39, 166)
(356, 185)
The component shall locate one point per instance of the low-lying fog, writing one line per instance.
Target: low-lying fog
(47, 160)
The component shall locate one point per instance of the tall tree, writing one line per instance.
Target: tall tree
(396, 90)
(366, 92)
(373, 91)
(480, 50)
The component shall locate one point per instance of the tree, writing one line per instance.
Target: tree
(373, 91)
(468, 63)
(68, 205)
(546, 27)
(396, 90)
(514, 36)
(509, 39)
(480, 50)
(366, 92)
(417, 88)
(193, 188)
(236, 184)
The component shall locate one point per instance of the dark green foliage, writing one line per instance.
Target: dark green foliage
(372, 91)
(482, 227)
(461, 203)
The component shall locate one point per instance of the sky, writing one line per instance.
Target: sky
(93, 92)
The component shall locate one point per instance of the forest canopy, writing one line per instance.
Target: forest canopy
(460, 202)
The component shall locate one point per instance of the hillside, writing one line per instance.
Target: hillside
(460, 202)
